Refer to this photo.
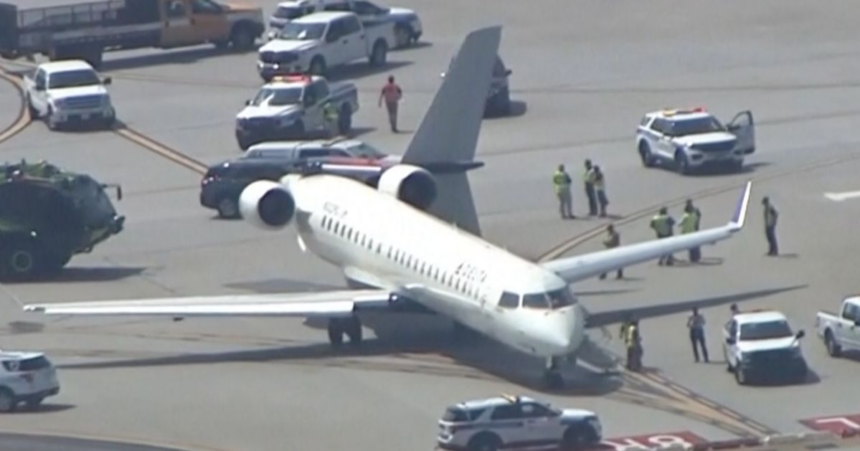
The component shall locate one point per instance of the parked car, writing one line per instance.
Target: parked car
(223, 183)
(26, 377)
(841, 331)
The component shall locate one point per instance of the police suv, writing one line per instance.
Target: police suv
(26, 377)
(694, 139)
(515, 421)
(293, 107)
(761, 345)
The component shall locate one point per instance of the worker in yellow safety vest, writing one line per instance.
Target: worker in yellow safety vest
(331, 116)
(600, 190)
(633, 343)
(613, 239)
(663, 225)
(561, 181)
(690, 224)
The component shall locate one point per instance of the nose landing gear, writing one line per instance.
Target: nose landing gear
(552, 377)
(338, 327)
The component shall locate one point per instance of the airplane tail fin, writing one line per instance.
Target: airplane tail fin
(448, 135)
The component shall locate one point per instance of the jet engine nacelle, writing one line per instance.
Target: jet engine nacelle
(267, 205)
(411, 184)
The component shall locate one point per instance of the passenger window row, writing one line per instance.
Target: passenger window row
(404, 258)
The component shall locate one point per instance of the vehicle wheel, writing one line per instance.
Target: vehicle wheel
(833, 347)
(7, 400)
(402, 36)
(318, 66)
(34, 113)
(682, 163)
(576, 437)
(50, 121)
(344, 119)
(227, 208)
(379, 54)
(19, 262)
(352, 328)
(34, 403)
(242, 38)
(740, 377)
(485, 442)
(646, 155)
(335, 333)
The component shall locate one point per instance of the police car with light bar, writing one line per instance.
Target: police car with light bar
(515, 421)
(694, 139)
(293, 107)
(760, 345)
(26, 377)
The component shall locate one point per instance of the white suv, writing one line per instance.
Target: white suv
(27, 377)
(693, 139)
(509, 421)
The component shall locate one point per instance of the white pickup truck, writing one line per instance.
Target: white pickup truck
(68, 92)
(840, 332)
(317, 42)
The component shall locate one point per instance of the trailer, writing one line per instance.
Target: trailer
(86, 30)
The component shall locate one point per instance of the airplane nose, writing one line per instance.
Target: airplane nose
(564, 331)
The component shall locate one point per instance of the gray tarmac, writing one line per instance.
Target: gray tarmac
(583, 76)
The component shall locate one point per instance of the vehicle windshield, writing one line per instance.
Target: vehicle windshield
(73, 78)
(455, 415)
(695, 126)
(365, 150)
(302, 31)
(552, 300)
(288, 12)
(278, 97)
(765, 331)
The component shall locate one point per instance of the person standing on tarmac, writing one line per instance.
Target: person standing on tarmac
(696, 252)
(663, 225)
(696, 324)
(392, 94)
(613, 239)
(561, 181)
(600, 190)
(633, 341)
(332, 117)
(588, 178)
(689, 224)
(770, 217)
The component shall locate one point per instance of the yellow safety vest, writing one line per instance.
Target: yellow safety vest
(613, 240)
(330, 112)
(660, 223)
(561, 181)
(630, 339)
(688, 222)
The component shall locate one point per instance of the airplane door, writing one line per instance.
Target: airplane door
(743, 127)
(177, 24)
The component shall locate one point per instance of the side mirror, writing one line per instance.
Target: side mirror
(508, 72)
(800, 334)
(857, 323)
(107, 80)
(39, 87)
(730, 341)
(247, 102)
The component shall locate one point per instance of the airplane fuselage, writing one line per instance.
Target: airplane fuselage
(371, 236)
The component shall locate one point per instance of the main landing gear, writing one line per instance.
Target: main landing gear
(338, 327)
(552, 377)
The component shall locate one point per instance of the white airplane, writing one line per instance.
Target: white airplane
(415, 239)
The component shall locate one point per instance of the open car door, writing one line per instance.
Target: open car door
(743, 128)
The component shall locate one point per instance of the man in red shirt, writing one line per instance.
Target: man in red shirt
(392, 94)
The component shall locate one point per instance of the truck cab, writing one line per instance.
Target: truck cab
(761, 345)
(840, 331)
(320, 41)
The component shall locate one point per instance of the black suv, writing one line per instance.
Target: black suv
(223, 183)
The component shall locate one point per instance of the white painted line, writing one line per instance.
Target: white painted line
(839, 197)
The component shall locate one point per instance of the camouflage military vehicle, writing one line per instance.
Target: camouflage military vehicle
(48, 215)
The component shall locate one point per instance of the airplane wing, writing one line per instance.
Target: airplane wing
(325, 304)
(573, 269)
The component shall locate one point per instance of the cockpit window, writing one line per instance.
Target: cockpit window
(551, 300)
(509, 300)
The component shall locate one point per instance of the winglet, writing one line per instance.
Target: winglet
(740, 215)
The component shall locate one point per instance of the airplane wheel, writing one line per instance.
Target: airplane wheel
(335, 333)
(353, 330)
(553, 380)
